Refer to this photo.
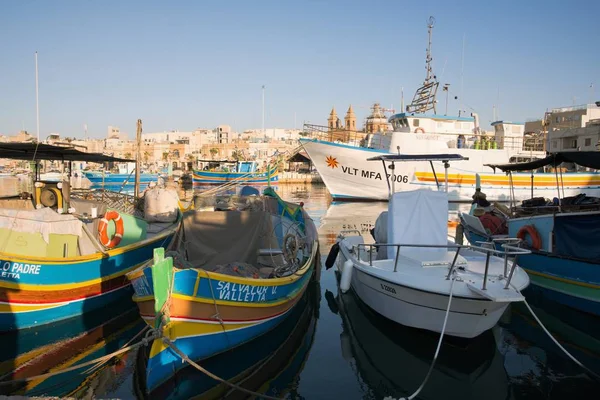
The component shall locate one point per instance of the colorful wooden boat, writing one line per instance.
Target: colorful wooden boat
(270, 364)
(52, 264)
(233, 276)
(566, 264)
(245, 172)
(563, 236)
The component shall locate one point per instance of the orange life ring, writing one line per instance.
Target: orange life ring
(103, 229)
(421, 130)
(535, 236)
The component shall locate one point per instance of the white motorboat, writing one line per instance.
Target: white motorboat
(408, 274)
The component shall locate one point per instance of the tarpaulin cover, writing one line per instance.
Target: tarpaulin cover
(41, 151)
(212, 238)
(589, 159)
(577, 236)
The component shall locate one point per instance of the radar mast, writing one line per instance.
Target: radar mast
(424, 99)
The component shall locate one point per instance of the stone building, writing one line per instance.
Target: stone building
(377, 121)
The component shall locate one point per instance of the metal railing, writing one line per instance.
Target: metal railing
(509, 250)
(467, 140)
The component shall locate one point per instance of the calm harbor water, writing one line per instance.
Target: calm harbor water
(333, 347)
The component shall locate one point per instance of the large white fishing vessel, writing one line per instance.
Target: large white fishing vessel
(340, 154)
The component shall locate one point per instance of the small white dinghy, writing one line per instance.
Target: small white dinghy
(408, 274)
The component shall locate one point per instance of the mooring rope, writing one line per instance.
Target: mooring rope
(592, 373)
(101, 363)
(213, 376)
(439, 345)
(122, 350)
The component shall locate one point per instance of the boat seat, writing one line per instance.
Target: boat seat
(474, 223)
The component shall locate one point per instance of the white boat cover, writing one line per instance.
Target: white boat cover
(44, 221)
(418, 217)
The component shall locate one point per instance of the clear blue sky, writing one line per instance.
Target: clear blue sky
(188, 64)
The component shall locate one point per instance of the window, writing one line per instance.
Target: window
(573, 143)
(588, 141)
(415, 122)
(554, 144)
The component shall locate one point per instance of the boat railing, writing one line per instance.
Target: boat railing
(507, 250)
(454, 140)
(122, 202)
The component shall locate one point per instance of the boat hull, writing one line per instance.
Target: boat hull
(211, 313)
(37, 291)
(349, 176)
(468, 318)
(267, 364)
(96, 177)
(566, 281)
(203, 178)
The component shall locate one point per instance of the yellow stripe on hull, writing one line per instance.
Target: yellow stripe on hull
(565, 280)
(503, 180)
(14, 308)
(180, 329)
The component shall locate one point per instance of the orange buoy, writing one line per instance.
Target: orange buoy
(103, 229)
(533, 233)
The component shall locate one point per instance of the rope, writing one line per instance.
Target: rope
(592, 373)
(217, 313)
(213, 376)
(122, 350)
(437, 350)
(95, 367)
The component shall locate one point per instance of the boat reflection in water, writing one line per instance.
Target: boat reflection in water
(269, 364)
(49, 348)
(393, 359)
(537, 367)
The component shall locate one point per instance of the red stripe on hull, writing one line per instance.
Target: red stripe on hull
(58, 296)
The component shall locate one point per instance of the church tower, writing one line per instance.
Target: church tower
(332, 121)
(350, 119)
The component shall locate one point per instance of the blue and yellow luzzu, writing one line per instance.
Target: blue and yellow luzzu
(235, 276)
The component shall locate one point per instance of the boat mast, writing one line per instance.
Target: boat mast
(424, 99)
(138, 156)
(37, 100)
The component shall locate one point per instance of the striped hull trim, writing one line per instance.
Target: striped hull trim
(50, 295)
(35, 298)
(540, 179)
(17, 316)
(200, 340)
(200, 178)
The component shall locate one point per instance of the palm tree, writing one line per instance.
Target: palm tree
(237, 155)
(213, 152)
